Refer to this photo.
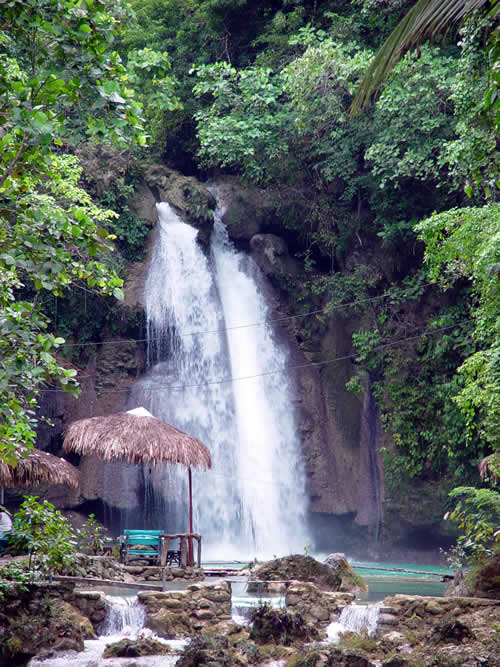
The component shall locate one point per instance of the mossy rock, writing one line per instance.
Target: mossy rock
(350, 580)
(306, 568)
(214, 651)
(330, 657)
(280, 626)
(37, 625)
(135, 648)
(451, 631)
(484, 579)
(248, 210)
(169, 624)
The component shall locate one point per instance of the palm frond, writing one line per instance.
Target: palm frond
(427, 18)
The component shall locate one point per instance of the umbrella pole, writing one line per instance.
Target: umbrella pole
(191, 558)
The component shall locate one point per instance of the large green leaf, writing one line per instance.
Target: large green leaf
(426, 19)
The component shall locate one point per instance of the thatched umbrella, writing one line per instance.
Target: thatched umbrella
(38, 468)
(138, 437)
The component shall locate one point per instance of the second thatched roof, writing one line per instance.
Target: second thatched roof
(38, 468)
(135, 437)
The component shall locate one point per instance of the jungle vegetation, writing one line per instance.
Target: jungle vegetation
(400, 199)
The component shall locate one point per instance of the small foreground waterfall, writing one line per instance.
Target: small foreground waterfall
(125, 616)
(355, 618)
(216, 371)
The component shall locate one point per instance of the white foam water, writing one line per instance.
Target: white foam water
(355, 618)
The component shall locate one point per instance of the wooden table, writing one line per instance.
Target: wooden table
(184, 539)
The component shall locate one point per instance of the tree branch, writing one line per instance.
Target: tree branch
(10, 169)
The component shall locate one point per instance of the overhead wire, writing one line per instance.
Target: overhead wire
(325, 310)
(158, 387)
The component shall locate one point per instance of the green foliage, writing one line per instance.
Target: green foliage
(415, 383)
(147, 72)
(92, 538)
(49, 240)
(278, 625)
(45, 533)
(473, 157)
(60, 82)
(14, 575)
(243, 124)
(426, 19)
(412, 118)
(58, 69)
(465, 243)
(477, 512)
(131, 232)
(319, 85)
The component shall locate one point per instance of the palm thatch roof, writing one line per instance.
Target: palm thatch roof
(136, 437)
(38, 468)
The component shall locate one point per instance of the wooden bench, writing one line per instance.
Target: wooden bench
(157, 546)
(141, 544)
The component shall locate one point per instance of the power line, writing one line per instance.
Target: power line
(326, 309)
(157, 387)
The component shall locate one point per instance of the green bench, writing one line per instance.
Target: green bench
(143, 544)
(4, 543)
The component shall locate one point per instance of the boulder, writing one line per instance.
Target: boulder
(316, 606)
(246, 209)
(349, 580)
(169, 624)
(214, 651)
(305, 568)
(451, 631)
(270, 253)
(134, 648)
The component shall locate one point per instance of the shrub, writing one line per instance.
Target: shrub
(46, 534)
(278, 625)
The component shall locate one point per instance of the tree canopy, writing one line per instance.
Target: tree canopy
(60, 83)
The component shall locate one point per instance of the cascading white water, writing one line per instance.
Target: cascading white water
(216, 373)
(125, 616)
(355, 618)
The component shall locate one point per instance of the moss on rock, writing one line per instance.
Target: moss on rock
(305, 568)
(134, 648)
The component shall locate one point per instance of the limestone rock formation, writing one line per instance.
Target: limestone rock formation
(306, 568)
(186, 194)
(349, 580)
(247, 209)
(135, 648)
(270, 253)
(200, 607)
(315, 605)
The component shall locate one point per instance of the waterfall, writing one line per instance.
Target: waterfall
(124, 616)
(355, 618)
(216, 372)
